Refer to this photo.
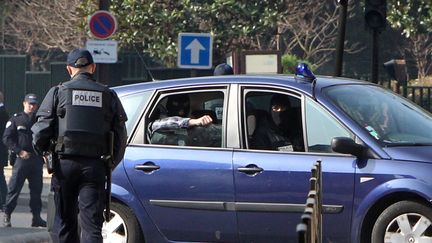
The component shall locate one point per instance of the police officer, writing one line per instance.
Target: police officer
(4, 118)
(78, 115)
(223, 69)
(28, 165)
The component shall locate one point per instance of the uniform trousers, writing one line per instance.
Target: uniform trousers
(79, 186)
(3, 188)
(30, 169)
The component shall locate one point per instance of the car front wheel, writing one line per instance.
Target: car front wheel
(123, 226)
(404, 221)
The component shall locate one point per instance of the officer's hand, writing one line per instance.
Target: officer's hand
(24, 154)
(202, 121)
(46, 158)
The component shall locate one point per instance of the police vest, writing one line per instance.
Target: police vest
(84, 118)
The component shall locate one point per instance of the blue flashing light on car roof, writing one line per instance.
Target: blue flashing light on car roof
(304, 73)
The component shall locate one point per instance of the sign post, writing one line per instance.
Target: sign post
(195, 50)
(102, 25)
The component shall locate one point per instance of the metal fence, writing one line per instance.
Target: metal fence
(309, 230)
(421, 95)
(16, 80)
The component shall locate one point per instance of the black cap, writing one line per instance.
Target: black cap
(31, 98)
(79, 58)
(223, 69)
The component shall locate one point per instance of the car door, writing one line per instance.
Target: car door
(183, 177)
(272, 183)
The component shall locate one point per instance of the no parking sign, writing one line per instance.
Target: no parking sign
(102, 24)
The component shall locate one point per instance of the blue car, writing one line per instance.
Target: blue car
(228, 159)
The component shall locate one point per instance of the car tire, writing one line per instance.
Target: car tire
(390, 225)
(123, 226)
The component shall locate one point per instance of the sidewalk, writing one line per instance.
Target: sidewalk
(24, 235)
(27, 235)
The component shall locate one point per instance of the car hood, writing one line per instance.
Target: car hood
(413, 153)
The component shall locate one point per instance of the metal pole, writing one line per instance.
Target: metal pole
(104, 4)
(103, 69)
(375, 55)
(341, 38)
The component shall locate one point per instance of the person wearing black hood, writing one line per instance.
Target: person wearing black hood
(278, 130)
(177, 110)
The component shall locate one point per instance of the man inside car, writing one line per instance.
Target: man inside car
(168, 124)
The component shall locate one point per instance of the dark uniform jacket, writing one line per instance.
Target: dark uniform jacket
(46, 127)
(4, 117)
(17, 134)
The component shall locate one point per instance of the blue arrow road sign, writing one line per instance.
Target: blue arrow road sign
(195, 50)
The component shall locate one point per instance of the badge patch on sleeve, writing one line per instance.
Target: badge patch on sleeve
(87, 98)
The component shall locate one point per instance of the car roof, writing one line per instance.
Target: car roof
(276, 80)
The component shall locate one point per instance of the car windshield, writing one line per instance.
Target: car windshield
(387, 117)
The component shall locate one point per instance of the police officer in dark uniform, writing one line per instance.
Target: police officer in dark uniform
(28, 165)
(223, 69)
(4, 118)
(78, 116)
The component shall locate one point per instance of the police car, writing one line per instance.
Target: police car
(245, 177)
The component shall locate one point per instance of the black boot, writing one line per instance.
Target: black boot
(6, 220)
(37, 221)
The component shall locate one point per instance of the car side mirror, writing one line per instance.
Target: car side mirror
(345, 145)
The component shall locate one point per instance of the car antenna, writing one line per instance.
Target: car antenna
(145, 65)
(303, 73)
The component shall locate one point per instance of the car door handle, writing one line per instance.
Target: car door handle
(147, 167)
(250, 169)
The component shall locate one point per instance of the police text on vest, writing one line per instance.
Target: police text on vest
(86, 98)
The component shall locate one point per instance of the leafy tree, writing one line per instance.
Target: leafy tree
(414, 19)
(290, 62)
(153, 26)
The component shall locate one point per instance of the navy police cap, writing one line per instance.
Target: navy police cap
(79, 58)
(31, 98)
(223, 69)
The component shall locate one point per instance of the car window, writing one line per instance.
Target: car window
(321, 128)
(133, 106)
(169, 119)
(272, 121)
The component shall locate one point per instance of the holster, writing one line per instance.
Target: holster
(50, 157)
